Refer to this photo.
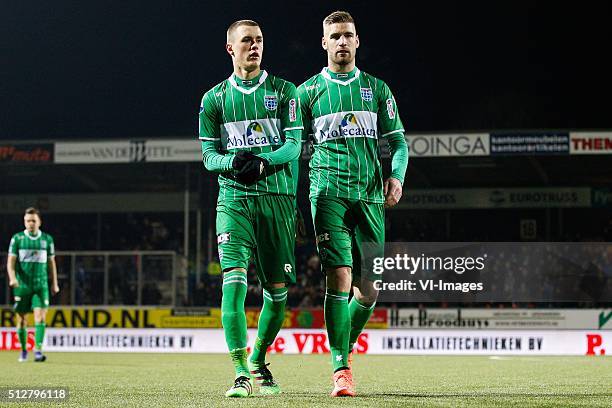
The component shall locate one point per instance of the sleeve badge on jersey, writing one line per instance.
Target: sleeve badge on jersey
(292, 110)
(270, 102)
(390, 108)
(366, 94)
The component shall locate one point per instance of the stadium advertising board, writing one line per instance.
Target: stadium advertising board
(128, 151)
(602, 197)
(506, 319)
(591, 143)
(544, 197)
(529, 143)
(196, 318)
(314, 341)
(449, 145)
(26, 153)
(97, 203)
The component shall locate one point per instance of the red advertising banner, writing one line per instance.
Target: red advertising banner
(26, 154)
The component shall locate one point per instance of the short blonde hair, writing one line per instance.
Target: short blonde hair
(338, 17)
(236, 24)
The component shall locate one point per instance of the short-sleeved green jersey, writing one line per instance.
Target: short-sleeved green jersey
(33, 253)
(251, 115)
(345, 115)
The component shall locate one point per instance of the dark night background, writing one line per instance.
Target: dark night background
(76, 70)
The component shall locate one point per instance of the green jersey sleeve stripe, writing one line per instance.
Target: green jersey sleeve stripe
(393, 131)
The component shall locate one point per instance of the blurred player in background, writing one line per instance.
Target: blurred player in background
(250, 128)
(31, 255)
(346, 111)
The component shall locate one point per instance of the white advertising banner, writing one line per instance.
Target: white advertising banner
(314, 341)
(451, 145)
(506, 319)
(591, 143)
(128, 151)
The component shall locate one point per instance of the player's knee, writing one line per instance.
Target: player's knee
(21, 320)
(366, 300)
(339, 278)
(365, 293)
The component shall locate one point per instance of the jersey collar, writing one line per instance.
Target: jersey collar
(327, 76)
(33, 238)
(248, 91)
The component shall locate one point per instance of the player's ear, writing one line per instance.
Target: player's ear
(324, 43)
(356, 41)
(229, 49)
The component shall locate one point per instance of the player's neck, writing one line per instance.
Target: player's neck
(246, 75)
(340, 69)
(33, 233)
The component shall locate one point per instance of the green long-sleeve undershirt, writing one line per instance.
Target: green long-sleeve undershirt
(399, 155)
(221, 163)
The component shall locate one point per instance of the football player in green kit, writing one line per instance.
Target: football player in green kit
(250, 127)
(30, 257)
(345, 113)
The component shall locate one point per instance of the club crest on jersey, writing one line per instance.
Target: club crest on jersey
(390, 109)
(270, 102)
(366, 94)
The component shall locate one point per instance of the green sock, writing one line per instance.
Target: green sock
(39, 334)
(360, 315)
(270, 321)
(338, 322)
(234, 319)
(22, 334)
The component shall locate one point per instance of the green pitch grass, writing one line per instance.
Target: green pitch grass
(198, 380)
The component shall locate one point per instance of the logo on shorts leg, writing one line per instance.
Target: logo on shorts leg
(223, 238)
(220, 254)
(322, 237)
(17, 298)
(288, 268)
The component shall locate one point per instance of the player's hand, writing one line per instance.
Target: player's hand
(55, 289)
(392, 191)
(251, 170)
(13, 283)
(242, 158)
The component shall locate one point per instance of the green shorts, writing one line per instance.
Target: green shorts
(349, 233)
(263, 227)
(28, 299)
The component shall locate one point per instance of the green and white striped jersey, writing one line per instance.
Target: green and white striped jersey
(251, 115)
(33, 253)
(345, 115)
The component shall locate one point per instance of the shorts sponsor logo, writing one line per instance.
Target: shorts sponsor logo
(17, 298)
(322, 237)
(390, 108)
(270, 102)
(366, 94)
(292, 110)
(220, 254)
(288, 268)
(224, 237)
